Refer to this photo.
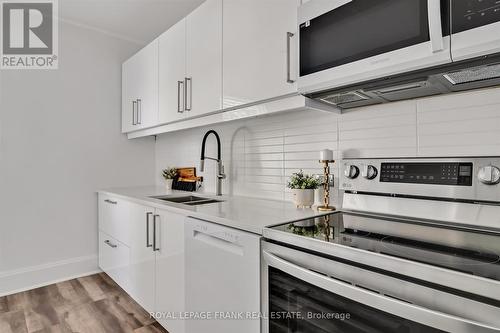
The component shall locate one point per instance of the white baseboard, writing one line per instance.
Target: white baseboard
(27, 278)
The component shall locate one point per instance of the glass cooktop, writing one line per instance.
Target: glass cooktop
(459, 249)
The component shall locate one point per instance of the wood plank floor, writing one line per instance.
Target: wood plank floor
(91, 304)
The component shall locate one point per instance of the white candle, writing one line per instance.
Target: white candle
(326, 155)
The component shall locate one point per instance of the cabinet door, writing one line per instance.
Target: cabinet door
(147, 107)
(140, 89)
(172, 71)
(170, 268)
(130, 92)
(204, 59)
(256, 39)
(142, 256)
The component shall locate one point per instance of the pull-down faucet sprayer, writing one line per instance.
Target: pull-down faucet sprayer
(220, 166)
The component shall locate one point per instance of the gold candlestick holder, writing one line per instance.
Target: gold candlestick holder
(326, 185)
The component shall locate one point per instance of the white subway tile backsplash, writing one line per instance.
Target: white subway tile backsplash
(301, 156)
(250, 142)
(319, 137)
(263, 157)
(304, 164)
(311, 147)
(260, 154)
(264, 149)
(379, 131)
(464, 124)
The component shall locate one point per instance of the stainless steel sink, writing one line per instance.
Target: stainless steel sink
(190, 200)
(202, 202)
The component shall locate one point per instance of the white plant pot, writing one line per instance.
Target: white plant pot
(303, 198)
(168, 184)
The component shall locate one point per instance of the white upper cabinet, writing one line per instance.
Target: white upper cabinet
(204, 59)
(191, 64)
(172, 71)
(259, 50)
(140, 89)
(224, 54)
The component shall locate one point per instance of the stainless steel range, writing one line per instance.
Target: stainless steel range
(416, 248)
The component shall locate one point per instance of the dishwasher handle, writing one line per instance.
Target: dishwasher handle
(218, 241)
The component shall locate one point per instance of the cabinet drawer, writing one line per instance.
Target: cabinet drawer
(114, 259)
(117, 217)
(114, 218)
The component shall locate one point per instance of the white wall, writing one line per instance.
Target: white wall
(261, 153)
(60, 141)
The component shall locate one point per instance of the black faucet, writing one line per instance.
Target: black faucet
(220, 166)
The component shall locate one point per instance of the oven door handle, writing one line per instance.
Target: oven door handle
(439, 320)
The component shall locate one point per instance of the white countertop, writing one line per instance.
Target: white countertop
(244, 213)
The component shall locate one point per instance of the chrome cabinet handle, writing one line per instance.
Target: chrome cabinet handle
(180, 98)
(134, 107)
(147, 229)
(155, 248)
(111, 201)
(188, 91)
(139, 111)
(289, 36)
(108, 243)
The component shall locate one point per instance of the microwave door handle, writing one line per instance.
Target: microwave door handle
(435, 27)
(446, 322)
(289, 36)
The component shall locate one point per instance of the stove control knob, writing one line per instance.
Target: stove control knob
(351, 171)
(369, 172)
(489, 175)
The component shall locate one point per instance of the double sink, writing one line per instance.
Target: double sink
(189, 200)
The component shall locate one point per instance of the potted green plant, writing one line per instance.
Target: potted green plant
(303, 186)
(169, 174)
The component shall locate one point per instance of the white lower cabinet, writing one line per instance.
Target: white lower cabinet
(114, 259)
(170, 269)
(113, 217)
(142, 249)
(142, 257)
(172, 264)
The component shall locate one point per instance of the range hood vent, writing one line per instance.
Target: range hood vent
(474, 74)
(401, 88)
(344, 98)
(470, 74)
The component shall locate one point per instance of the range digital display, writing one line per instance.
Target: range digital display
(459, 174)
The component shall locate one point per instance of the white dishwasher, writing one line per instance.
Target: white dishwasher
(222, 279)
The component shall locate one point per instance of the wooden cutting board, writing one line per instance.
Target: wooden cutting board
(188, 175)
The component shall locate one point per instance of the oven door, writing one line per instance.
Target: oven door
(343, 42)
(475, 27)
(307, 293)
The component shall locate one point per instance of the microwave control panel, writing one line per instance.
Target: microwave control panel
(470, 14)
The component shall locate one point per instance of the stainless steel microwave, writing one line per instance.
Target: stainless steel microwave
(345, 42)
